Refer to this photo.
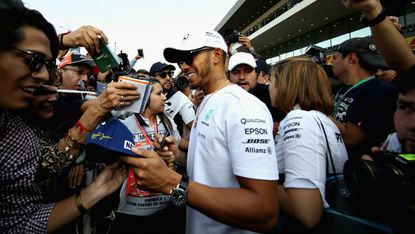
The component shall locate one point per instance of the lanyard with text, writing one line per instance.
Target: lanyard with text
(148, 140)
(338, 99)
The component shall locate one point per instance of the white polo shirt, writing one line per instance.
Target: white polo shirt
(302, 149)
(231, 136)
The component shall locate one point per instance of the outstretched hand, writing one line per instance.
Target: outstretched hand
(151, 171)
(85, 36)
(117, 94)
(108, 180)
(370, 8)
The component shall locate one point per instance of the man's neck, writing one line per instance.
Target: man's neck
(215, 83)
(354, 78)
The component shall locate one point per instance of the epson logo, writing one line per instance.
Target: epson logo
(293, 124)
(256, 131)
(257, 141)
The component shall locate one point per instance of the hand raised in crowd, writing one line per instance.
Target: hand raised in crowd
(151, 171)
(85, 36)
(245, 41)
(116, 94)
(369, 8)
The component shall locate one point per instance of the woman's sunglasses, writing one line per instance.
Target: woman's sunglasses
(37, 60)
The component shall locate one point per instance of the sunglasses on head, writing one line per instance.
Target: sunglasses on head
(164, 74)
(37, 60)
(188, 58)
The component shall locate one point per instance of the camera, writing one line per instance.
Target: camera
(318, 54)
(389, 177)
(231, 36)
(181, 82)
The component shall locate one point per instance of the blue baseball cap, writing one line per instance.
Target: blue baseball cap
(111, 136)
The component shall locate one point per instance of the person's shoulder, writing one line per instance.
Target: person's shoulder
(300, 116)
(237, 93)
(382, 86)
(179, 97)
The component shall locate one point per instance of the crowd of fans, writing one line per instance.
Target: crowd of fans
(229, 145)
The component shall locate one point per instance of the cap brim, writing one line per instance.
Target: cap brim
(111, 150)
(374, 60)
(174, 55)
(88, 62)
(235, 65)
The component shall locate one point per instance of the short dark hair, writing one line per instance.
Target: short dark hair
(407, 83)
(14, 16)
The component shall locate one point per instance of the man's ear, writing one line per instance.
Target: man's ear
(217, 55)
(352, 58)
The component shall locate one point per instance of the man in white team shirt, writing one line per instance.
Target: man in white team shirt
(233, 171)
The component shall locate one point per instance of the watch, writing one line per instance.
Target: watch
(178, 195)
(379, 18)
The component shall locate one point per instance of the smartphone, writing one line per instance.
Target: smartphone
(140, 52)
(163, 141)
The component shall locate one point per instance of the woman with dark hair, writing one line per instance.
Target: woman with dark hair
(28, 48)
(309, 145)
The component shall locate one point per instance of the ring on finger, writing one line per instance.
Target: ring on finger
(121, 98)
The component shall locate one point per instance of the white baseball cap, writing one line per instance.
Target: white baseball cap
(194, 41)
(241, 58)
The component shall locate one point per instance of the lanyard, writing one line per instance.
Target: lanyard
(338, 98)
(148, 140)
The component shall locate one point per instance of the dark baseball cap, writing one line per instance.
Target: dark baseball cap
(365, 48)
(112, 136)
(159, 66)
(262, 65)
(75, 58)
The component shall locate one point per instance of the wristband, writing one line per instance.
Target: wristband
(61, 46)
(379, 18)
(82, 127)
(81, 208)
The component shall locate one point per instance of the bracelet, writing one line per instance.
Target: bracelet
(71, 142)
(379, 18)
(61, 46)
(82, 127)
(81, 208)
